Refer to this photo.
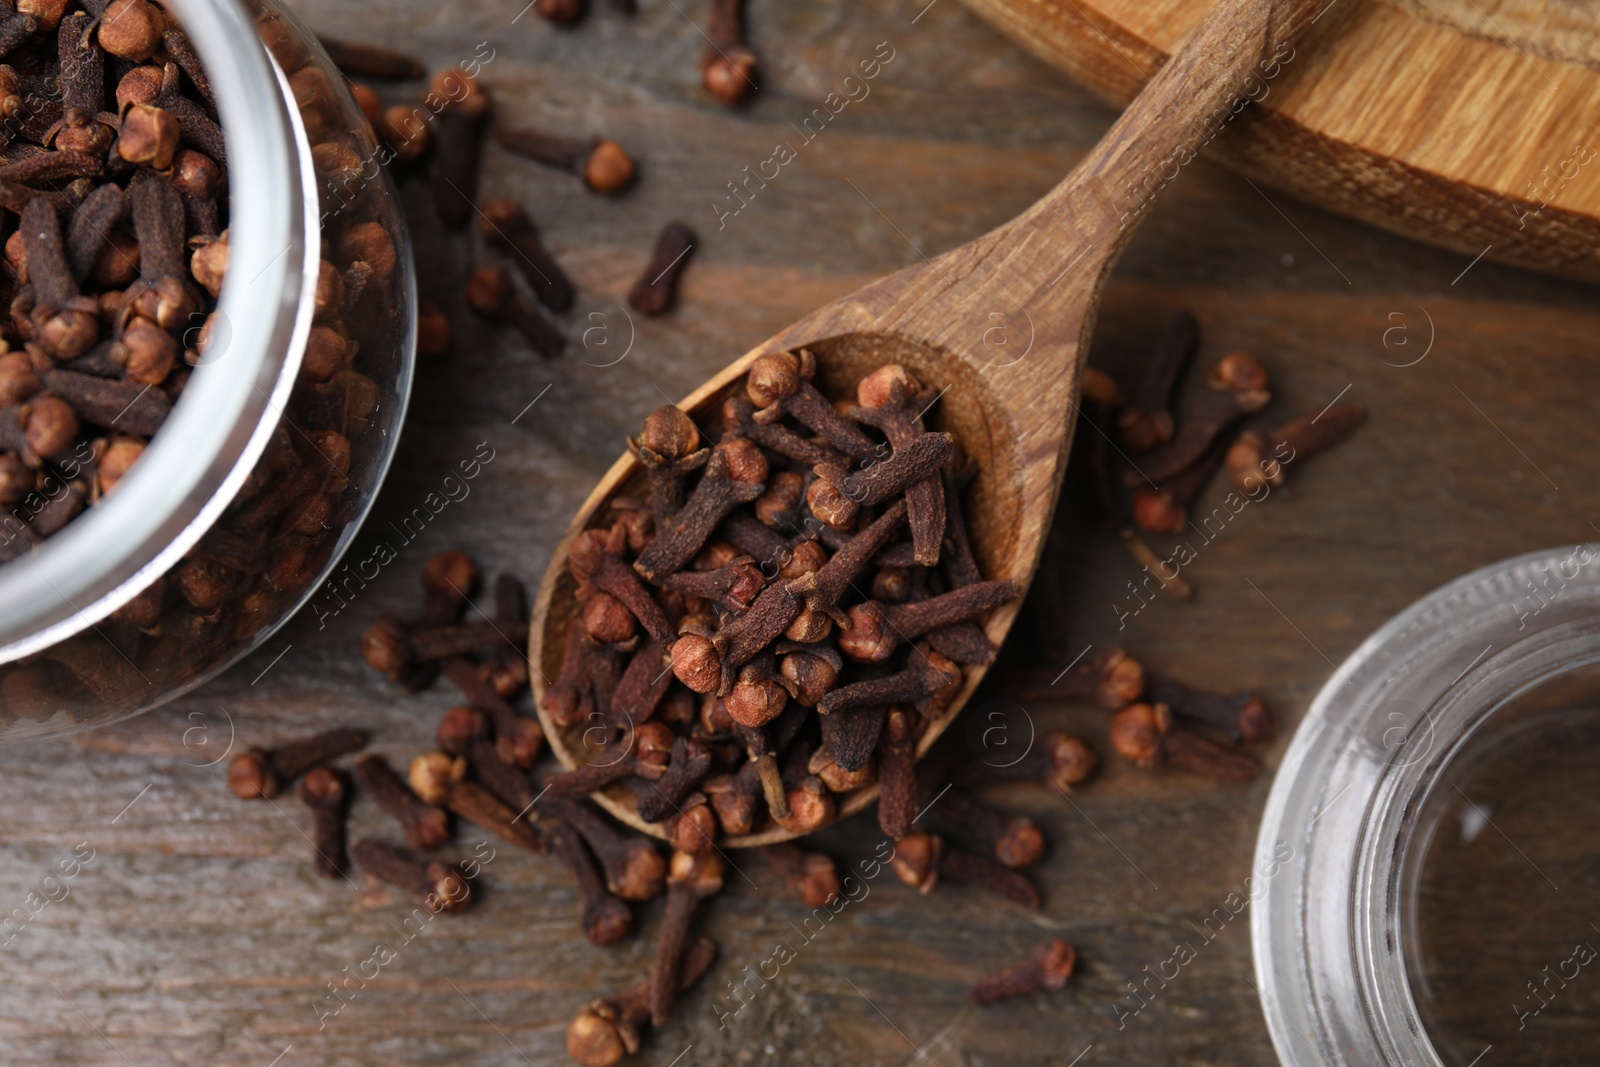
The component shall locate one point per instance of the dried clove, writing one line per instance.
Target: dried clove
(873, 630)
(438, 778)
(1144, 735)
(1243, 716)
(727, 66)
(1146, 422)
(690, 763)
(426, 827)
(657, 288)
(606, 920)
(504, 223)
(1047, 967)
(1014, 840)
(264, 772)
(1236, 387)
(327, 793)
(490, 294)
(1113, 679)
(1257, 458)
(734, 475)
(892, 400)
(440, 887)
(359, 59)
(693, 878)
(607, 1030)
(779, 384)
(897, 773)
(604, 165)
(923, 860)
(634, 870)
(458, 130)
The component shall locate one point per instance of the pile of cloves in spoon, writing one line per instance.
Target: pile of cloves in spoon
(788, 608)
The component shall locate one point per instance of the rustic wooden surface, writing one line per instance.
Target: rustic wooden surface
(198, 933)
(1463, 124)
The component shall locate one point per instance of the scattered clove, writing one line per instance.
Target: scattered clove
(727, 66)
(1257, 458)
(327, 793)
(657, 288)
(604, 165)
(1144, 735)
(1047, 967)
(439, 886)
(264, 772)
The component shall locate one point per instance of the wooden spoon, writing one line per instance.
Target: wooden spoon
(1001, 325)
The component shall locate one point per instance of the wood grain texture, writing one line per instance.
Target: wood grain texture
(1463, 124)
(199, 935)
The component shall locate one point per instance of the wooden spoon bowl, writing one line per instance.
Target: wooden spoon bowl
(999, 326)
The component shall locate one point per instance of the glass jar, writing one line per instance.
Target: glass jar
(254, 485)
(1428, 860)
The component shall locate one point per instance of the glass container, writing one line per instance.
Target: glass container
(257, 481)
(1429, 848)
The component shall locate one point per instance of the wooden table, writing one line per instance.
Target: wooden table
(198, 933)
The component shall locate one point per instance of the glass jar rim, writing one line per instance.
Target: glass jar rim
(219, 427)
(1332, 940)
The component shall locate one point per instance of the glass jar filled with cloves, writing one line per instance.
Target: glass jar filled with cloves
(208, 347)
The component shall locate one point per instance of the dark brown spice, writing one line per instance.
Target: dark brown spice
(518, 738)
(458, 132)
(606, 920)
(823, 588)
(607, 1030)
(604, 165)
(722, 488)
(657, 288)
(1112, 679)
(1259, 458)
(592, 559)
(1047, 967)
(1144, 735)
(327, 793)
(738, 419)
(727, 66)
(439, 886)
(891, 400)
(690, 763)
(1243, 716)
(851, 736)
(779, 384)
(263, 772)
(1013, 840)
(634, 870)
(1236, 387)
(874, 630)
(426, 827)
(490, 294)
(1146, 422)
(897, 773)
(733, 587)
(927, 674)
(438, 779)
(505, 224)
(669, 450)
(358, 59)
(692, 879)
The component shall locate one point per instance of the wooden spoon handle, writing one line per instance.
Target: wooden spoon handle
(1046, 268)
(1230, 58)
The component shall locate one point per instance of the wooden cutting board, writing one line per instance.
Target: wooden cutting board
(1471, 124)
